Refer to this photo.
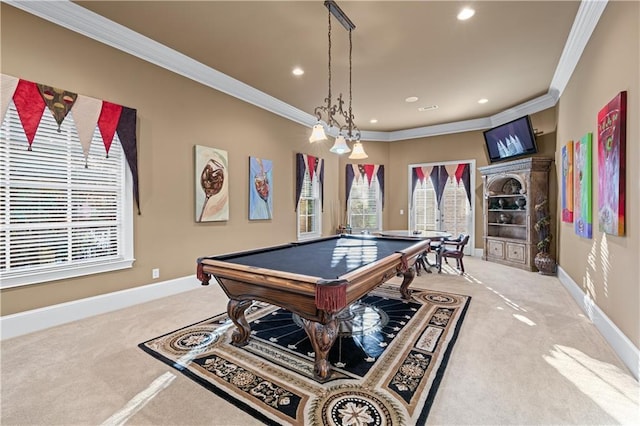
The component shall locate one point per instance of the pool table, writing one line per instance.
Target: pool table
(314, 279)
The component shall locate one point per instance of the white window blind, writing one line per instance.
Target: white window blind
(425, 207)
(61, 216)
(309, 208)
(365, 205)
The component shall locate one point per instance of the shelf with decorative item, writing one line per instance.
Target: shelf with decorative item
(507, 202)
(507, 217)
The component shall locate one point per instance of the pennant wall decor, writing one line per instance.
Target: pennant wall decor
(59, 101)
(85, 113)
(8, 86)
(31, 99)
(30, 107)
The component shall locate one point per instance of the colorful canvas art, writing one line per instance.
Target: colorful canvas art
(567, 182)
(212, 184)
(611, 165)
(260, 189)
(582, 187)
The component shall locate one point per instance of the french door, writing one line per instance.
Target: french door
(441, 198)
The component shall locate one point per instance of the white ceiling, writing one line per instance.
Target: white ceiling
(517, 54)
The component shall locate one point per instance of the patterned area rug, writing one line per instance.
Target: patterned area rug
(387, 362)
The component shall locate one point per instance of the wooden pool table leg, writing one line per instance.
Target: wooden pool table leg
(409, 274)
(235, 310)
(322, 337)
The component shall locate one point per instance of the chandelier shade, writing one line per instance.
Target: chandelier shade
(340, 145)
(317, 133)
(334, 115)
(358, 152)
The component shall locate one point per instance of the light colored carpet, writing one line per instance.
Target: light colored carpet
(525, 355)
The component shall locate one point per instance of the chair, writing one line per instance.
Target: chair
(452, 248)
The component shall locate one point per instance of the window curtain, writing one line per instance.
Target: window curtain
(31, 99)
(315, 166)
(360, 171)
(440, 176)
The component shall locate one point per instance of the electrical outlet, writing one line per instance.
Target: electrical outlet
(155, 273)
(401, 211)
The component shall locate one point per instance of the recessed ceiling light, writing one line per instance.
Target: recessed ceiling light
(483, 101)
(411, 99)
(297, 71)
(466, 13)
(373, 121)
(428, 108)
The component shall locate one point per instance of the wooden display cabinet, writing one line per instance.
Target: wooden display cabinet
(510, 190)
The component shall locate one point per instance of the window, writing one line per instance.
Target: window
(60, 218)
(365, 205)
(309, 213)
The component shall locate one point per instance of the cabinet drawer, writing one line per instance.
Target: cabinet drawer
(516, 252)
(495, 249)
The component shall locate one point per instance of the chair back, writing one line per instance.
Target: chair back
(463, 241)
(455, 247)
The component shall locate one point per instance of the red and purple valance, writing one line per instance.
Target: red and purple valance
(440, 175)
(364, 171)
(31, 99)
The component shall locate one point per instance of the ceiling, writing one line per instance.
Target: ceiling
(510, 52)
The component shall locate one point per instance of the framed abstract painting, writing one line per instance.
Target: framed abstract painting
(567, 182)
(612, 132)
(212, 184)
(260, 189)
(582, 187)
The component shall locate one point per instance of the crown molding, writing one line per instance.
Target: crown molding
(585, 23)
(76, 18)
(535, 105)
(435, 130)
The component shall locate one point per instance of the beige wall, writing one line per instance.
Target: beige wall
(607, 267)
(175, 114)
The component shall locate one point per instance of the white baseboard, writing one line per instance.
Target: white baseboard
(477, 252)
(39, 319)
(628, 353)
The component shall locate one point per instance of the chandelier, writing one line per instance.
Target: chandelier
(334, 114)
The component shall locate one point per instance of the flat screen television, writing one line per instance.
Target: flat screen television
(510, 140)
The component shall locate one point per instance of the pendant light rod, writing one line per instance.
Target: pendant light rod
(347, 131)
(340, 15)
